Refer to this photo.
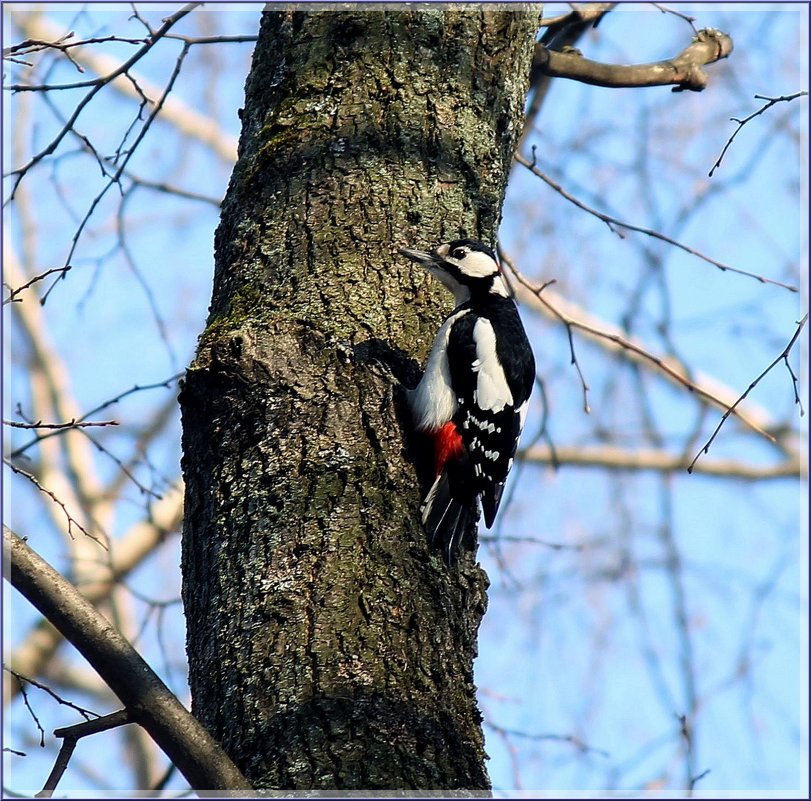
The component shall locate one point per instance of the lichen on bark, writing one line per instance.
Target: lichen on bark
(328, 648)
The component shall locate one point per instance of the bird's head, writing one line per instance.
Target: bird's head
(465, 266)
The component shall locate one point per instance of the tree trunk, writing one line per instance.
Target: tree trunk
(328, 647)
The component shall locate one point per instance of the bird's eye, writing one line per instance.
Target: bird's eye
(459, 253)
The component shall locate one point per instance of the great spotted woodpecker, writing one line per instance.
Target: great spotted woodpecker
(473, 397)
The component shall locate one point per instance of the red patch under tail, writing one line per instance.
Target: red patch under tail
(447, 445)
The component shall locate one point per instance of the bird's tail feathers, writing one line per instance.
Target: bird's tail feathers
(447, 519)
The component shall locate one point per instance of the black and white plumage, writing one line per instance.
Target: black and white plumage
(473, 397)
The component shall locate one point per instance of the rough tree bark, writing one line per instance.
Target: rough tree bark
(328, 648)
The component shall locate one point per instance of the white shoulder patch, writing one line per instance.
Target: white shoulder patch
(492, 391)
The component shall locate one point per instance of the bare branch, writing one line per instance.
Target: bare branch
(614, 458)
(201, 760)
(61, 44)
(613, 221)
(771, 101)
(571, 739)
(561, 33)
(162, 186)
(684, 70)
(667, 10)
(126, 553)
(70, 736)
(137, 388)
(554, 546)
(115, 179)
(12, 296)
(31, 712)
(782, 357)
(97, 85)
(187, 120)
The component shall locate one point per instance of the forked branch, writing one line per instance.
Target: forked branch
(70, 736)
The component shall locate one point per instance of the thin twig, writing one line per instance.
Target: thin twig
(771, 102)
(137, 388)
(12, 296)
(667, 10)
(572, 739)
(97, 85)
(36, 45)
(695, 779)
(85, 713)
(115, 179)
(673, 369)
(782, 357)
(32, 713)
(72, 521)
(567, 323)
(144, 490)
(555, 546)
(613, 221)
(60, 426)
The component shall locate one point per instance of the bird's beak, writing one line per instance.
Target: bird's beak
(435, 264)
(425, 259)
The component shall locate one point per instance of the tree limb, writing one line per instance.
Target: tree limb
(187, 744)
(614, 458)
(561, 32)
(684, 70)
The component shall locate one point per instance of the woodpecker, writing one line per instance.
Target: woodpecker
(472, 399)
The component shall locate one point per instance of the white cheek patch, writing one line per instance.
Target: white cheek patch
(476, 264)
(492, 391)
